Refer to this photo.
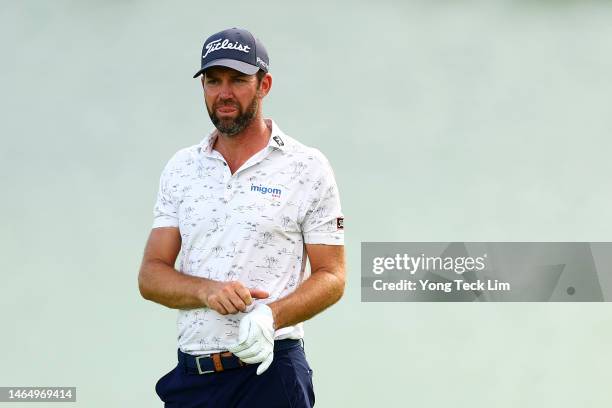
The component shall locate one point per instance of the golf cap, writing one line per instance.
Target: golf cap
(234, 48)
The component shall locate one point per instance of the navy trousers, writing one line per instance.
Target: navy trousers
(287, 383)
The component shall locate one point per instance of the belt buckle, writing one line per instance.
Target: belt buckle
(200, 371)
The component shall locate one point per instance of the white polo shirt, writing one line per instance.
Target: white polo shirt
(249, 226)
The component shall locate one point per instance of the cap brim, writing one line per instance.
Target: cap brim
(237, 65)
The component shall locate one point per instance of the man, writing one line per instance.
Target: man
(245, 207)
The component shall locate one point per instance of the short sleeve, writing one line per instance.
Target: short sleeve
(165, 212)
(323, 221)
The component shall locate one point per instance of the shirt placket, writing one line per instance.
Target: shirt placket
(231, 180)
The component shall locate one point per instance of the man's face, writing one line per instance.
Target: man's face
(231, 99)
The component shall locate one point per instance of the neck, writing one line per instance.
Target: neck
(238, 148)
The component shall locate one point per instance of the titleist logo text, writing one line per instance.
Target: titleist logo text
(225, 45)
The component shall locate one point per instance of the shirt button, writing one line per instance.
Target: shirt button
(229, 186)
(224, 163)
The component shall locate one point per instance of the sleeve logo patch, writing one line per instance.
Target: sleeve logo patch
(340, 223)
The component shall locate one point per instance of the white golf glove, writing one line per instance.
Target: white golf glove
(256, 338)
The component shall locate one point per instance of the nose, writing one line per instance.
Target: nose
(226, 90)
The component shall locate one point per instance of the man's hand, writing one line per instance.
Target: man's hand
(256, 338)
(230, 297)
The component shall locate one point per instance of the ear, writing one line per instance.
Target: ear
(265, 85)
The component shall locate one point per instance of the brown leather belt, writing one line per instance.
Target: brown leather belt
(218, 362)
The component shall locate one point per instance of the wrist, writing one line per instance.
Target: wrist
(274, 308)
(203, 291)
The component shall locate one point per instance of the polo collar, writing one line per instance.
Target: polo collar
(278, 140)
(207, 144)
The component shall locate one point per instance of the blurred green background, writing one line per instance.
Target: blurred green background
(444, 121)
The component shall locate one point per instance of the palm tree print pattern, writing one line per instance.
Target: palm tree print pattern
(233, 228)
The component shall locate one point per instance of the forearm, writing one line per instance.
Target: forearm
(162, 284)
(321, 290)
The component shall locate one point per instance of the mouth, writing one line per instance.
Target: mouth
(226, 109)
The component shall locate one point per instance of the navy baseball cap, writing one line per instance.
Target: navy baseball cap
(234, 48)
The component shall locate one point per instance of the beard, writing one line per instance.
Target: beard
(231, 127)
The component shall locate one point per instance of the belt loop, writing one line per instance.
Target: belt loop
(303, 344)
